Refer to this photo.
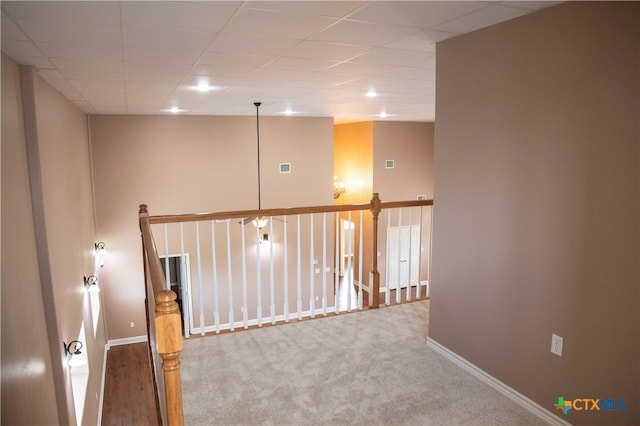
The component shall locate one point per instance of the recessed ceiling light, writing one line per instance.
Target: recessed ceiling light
(371, 93)
(383, 115)
(288, 111)
(204, 87)
(175, 110)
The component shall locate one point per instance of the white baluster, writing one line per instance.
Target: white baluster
(272, 291)
(258, 279)
(299, 304)
(360, 256)
(286, 271)
(216, 304)
(312, 304)
(324, 264)
(230, 279)
(245, 311)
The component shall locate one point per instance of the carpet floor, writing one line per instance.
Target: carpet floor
(370, 367)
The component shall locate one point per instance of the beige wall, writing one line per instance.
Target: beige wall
(360, 152)
(536, 217)
(24, 332)
(353, 161)
(410, 145)
(43, 294)
(192, 164)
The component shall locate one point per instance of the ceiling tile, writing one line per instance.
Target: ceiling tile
(165, 39)
(229, 63)
(72, 34)
(322, 50)
(155, 68)
(87, 12)
(270, 24)
(20, 48)
(72, 74)
(239, 43)
(394, 57)
(36, 61)
(333, 9)
(416, 14)
(185, 16)
(87, 66)
(363, 33)
(158, 57)
(10, 31)
(481, 18)
(109, 53)
(299, 64)
(421, 41)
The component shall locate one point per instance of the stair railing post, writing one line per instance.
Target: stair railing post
(169, 340)
(374, 293)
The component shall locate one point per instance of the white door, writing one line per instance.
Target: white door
(403, 256)
(347, 242)
(179, 280)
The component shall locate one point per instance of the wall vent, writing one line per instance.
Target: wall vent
(389, 164)
(285, 167)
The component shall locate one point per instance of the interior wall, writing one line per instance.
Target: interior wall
(47, 250)
(67, 193)
(359, 161)
(536, 220)
(190, 164)
(410, 145)
(27, 373)
(353, 161)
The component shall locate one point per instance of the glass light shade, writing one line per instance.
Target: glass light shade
(260, 222)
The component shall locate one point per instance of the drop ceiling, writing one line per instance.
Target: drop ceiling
(350, 60)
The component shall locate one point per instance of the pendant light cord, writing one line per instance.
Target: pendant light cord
(257, 105)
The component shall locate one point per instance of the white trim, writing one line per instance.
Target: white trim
(265, 320)
(126, 341)
(496, 384)
(104, 377)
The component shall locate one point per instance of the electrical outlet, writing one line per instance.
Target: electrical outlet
(556, 344)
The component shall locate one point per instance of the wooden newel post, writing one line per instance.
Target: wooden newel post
(169, 340)
(374, 294)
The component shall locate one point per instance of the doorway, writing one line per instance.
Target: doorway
(179, 281)
(403, 256)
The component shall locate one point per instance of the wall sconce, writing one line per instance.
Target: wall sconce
(73, 349)
(92, 283)
(100, 251)
(339, 188)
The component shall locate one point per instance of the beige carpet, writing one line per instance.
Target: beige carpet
(369, 367)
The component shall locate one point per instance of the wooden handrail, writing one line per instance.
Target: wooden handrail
(195, 217)
(167, 315)
(168, 335)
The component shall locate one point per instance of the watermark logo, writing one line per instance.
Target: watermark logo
(589, 404)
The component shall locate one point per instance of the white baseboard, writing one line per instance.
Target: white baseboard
(496, 384)
(126, 341)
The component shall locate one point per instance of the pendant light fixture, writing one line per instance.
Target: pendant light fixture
(260, 221)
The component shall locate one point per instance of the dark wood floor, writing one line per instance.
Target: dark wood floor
(128, 389)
